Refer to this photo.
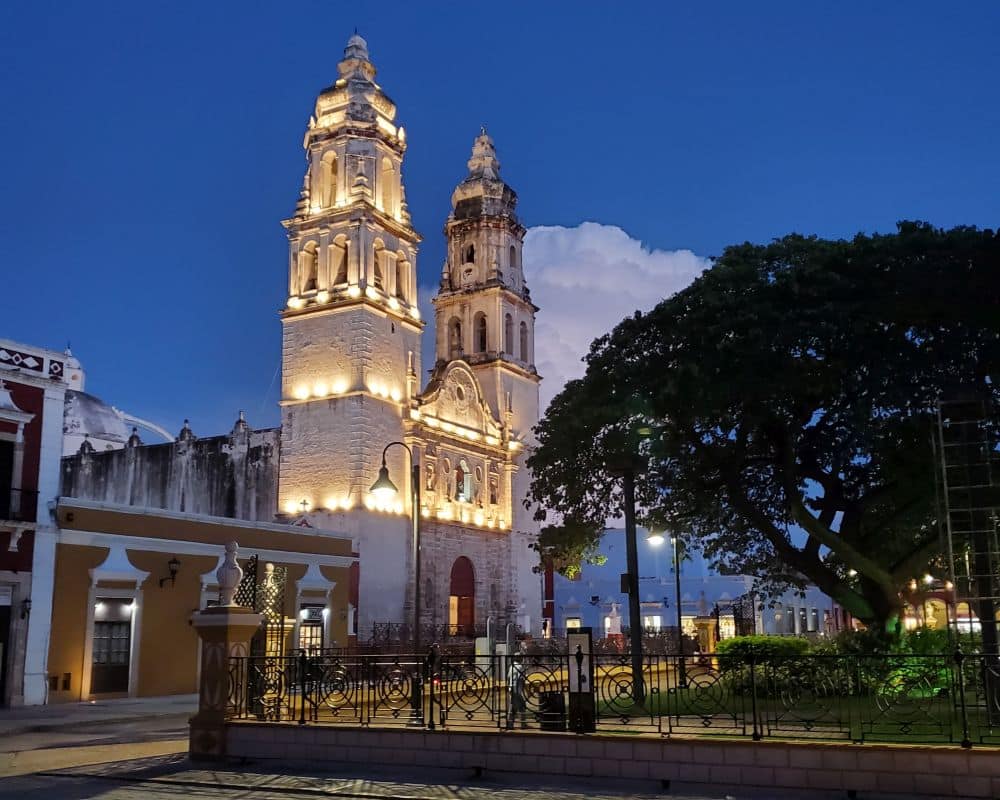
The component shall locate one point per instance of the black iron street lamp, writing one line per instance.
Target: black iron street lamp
(385, 490)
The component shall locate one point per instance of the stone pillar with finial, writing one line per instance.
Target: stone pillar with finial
(225, 631)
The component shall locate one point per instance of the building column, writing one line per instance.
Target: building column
(36, 652)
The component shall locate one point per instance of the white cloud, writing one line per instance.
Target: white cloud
(587, 279)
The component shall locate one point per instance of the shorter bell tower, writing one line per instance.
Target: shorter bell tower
(484, 314)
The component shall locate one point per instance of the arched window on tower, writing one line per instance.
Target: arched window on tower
(338, 260)
(470, 254)
(512, 258)
(525, 356)
(328, 180)
(388, 186)
(455, 338)
(402, 276)
(508, 334)
(308, 264)
(479, 332)
(377, 257)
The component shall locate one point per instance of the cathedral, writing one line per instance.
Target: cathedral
(381, 500)
(352, 373)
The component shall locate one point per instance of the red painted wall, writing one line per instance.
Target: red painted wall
(30, 399)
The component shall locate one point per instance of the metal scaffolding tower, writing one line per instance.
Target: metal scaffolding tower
(969, 470)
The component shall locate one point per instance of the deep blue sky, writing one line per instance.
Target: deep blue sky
(148, 151)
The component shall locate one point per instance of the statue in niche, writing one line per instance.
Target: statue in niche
(494, 490)
(477, 486)
(431, 476)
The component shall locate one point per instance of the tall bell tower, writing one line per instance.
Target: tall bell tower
(351, 328)
(483, 309)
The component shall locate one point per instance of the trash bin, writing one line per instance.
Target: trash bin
(552, 711)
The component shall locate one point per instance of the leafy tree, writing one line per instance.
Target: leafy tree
(779, 411)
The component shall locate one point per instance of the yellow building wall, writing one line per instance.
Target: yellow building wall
(168, 645)
(69, 617)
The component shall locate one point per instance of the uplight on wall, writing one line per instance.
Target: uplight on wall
(339, 503)
(323, 296)
(339, 386)
(370, 293)
(320, 389)
(415, 312)
(354, 291)
(301, 392)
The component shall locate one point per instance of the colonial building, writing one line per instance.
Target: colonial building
(351, 370)
(138, 529)
(33, 386)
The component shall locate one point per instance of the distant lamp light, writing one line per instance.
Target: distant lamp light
(645, 430)
(928, 579)
(655, 539)
(383, 488)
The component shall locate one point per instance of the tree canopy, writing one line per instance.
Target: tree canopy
(779, 411)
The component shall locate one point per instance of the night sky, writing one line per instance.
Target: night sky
(148, 151)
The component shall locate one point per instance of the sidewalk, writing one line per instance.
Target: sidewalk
(34, 719)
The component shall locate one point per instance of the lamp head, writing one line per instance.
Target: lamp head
(655, 539)
(383, 488)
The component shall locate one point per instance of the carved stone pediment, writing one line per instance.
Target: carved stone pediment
(454, 395)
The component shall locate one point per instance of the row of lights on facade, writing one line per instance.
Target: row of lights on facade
(321, 389)
(387, 506)
(322, 297)
(458, 430)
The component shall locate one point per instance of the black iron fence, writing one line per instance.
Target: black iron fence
(888, 698)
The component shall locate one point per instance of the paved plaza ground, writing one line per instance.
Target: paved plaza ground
(173, 776)
(137, 751)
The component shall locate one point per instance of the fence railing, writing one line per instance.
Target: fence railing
(886, 698)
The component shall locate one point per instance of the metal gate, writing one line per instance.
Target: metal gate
(745, 614)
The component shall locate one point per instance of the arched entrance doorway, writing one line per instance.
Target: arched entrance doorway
(462, 598)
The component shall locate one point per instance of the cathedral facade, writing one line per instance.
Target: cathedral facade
(380, 499)
(351, 374)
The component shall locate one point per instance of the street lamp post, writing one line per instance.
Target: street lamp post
(634, 613)
(384, 489)
(682, 667)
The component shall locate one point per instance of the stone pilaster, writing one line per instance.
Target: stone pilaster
(225, 633)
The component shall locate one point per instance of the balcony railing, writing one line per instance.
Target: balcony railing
(18, 505)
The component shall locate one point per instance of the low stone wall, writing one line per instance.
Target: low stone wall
(911, 770)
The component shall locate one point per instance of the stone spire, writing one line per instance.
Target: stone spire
(484, 163)
(483, 193)
(357, 65)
